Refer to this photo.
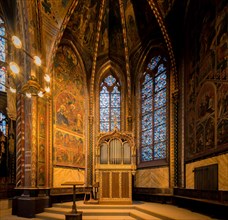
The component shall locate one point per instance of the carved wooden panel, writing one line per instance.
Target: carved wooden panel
(115, 185)
(125, 185)
(105, 184)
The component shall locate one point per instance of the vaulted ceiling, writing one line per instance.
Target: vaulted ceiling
(115, 30)
(107, 29)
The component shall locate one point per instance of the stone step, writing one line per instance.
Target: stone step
(93, 212)
(88, 206)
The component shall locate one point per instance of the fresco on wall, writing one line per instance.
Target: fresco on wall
(69, 112)
(83, 22)
(41, 154)
(116, 43)
(69, 108)
(206, 101)
(223, 115)
(69, 149)
(41, 174)
(132, 31)
(42, 127)
(206, 88)
(104, 39)
(165, 6)
(55, 10)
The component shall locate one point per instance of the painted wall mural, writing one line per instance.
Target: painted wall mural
(206, 84)
(132, 36)
(83, 22)
(42, 143)
(55, 10)
(69, 110)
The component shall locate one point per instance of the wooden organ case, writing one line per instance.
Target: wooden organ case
(115, 164)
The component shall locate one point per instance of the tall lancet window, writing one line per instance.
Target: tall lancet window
(2, 56)
(110, 96)
(154, 109)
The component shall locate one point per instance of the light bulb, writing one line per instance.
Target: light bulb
(37, 60)
(28, 94)
(12, 90)
(47, 78)
(40, 94)
(14, 67)
(16, 42)
(47, 89)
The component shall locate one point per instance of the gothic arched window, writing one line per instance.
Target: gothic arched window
(110, 96)
(154, 109)
(2, 56)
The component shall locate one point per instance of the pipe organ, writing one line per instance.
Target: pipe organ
(115, 165)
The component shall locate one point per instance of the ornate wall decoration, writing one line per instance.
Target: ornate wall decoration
(69, 110)
(132, 36)
(206, 84)
(83, 22)
(42, 146)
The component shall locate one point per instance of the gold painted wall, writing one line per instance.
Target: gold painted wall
(61, 175)
(221, 160)
(69, 111)
(154, 177)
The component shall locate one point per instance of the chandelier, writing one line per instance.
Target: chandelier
(32, 87)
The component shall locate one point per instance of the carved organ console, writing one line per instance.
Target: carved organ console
(115, 165)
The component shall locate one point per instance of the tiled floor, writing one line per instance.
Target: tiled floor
(170, 211)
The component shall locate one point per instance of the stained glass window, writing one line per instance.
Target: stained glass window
(2, 56)
(3, 123)
(110, 98)
(154, 110)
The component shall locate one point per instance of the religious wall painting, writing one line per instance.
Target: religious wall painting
(206, 101)
(68, 74)
(165, 6)
(191, 134)
(222, 132)
(190, 88)
(223, 101)
(41, 152)
(70, 112)
(104, 39)
(54, 10)
(42, 118)
(221, 36)
(200, 141)
(206, 82)
(115, 29)
(69, 149)
(223, 114)
(209, 133)
(207, 33)
(83, 22)
(41, 174)
(132, 32)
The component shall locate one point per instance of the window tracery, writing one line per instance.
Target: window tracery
(110, 97)
(154, 95)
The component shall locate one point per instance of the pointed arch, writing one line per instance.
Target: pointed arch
(110, 111)
(153, 109)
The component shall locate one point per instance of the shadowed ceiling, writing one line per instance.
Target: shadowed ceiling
(107, 29)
